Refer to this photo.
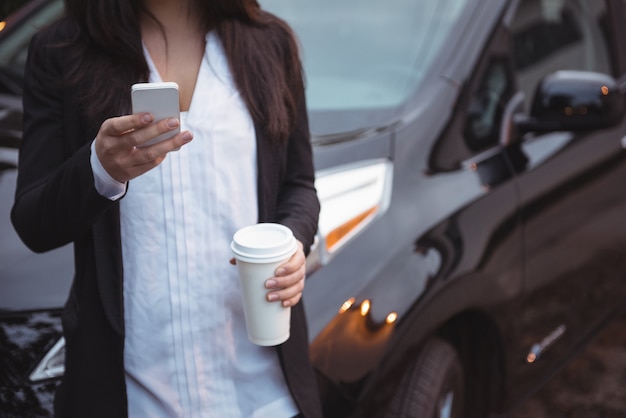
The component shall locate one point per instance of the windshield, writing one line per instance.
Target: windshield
(364, 54)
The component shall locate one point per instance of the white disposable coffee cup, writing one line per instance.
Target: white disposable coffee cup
(259, 249)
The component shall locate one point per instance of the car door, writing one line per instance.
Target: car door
(571, 190)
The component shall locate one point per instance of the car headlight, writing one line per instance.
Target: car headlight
(351, 197)
(52, 365)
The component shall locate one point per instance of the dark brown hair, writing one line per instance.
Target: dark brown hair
(260, 48)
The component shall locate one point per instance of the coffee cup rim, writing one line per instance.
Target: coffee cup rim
(244, 238)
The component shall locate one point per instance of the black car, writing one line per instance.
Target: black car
(470, 162)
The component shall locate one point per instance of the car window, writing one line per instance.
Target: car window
(361, 54)
(484, 115)
(477, 122)
(550, 35)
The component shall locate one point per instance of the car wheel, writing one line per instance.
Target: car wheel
(433, 386)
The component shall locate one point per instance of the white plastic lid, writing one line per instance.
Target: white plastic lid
(263, 243)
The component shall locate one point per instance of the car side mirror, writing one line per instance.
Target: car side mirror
(574, 101)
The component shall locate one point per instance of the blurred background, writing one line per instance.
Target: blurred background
(7, 6)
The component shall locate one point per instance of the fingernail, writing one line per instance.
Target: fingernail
(172, 122)
(272, 297)
(280, 271)
(271, 283)
(147, 118)
(187, 136)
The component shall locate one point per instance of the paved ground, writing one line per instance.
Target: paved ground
(592, 386)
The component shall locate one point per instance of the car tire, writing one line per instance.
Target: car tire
(433, 386)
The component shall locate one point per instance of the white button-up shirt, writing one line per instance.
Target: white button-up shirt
(186, 349)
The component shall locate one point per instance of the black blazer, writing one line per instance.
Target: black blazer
(56, 203)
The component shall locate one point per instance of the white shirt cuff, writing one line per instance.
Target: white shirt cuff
(106, 185)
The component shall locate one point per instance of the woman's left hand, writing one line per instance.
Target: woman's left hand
(288, 283)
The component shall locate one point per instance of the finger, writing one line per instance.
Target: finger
(123, 124)
(136, 168)
(292, 301)
(287, 278)
(293, 264)
(152, 153)
(288, 296)
(115, 134)
(139, 137)
(136, 161)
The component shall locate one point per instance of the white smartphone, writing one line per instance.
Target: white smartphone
(160, 99)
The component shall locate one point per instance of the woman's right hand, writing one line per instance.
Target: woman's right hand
(119, 140)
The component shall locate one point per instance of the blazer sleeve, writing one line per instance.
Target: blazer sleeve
(55, 201)
(297, 204)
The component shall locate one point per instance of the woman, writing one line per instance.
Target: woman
(153, 323)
